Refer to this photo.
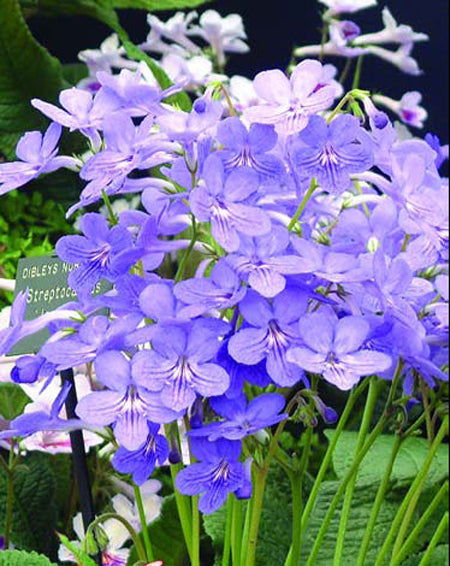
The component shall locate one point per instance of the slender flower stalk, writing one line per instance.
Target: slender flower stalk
(374, 389)
(437, 537)
(404, 515)
(144, 524)
(421, 524)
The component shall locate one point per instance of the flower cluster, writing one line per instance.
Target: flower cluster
(316, 243)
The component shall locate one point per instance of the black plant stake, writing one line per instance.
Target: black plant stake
(79, 458)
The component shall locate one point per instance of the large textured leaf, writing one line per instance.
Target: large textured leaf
(362, 504)
(166, 536)
(18, 558)
(154, 5)
(12, 400)
(27, 71)
(440, 557)
(410, 459)
(34, 519)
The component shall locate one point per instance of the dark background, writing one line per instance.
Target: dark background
(275, 30)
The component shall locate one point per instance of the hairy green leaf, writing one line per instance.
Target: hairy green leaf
(18, 558)
(410, 460)
(27, 71)
(12, 400)
(34, 518)
(440, 557)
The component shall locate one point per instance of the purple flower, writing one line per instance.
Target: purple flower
(333, 348)
(20, 328)
(263, 262)
(101, 253)
(218, 473)
(442, 151)
(95, 336)
(82, 111)
(290, 103)
(126, 404)
(269, 332)
(243, 148)
(142, 462)
(221, 201)
(327, 264)
(38, 154)
(28, 424)
(30, 369)
(241, 373)
(180, 365)
(127, 147)
(222, 290)
(331, 153)
(186, 127)
(243, 419)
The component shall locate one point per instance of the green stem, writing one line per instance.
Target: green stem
(416, 493)
(248, 518)
(364, 429)
(418, 529)
(346, 71)
(182, 267)
(427, 408)
(236, 532)
(302, 205)
(354, 396)
(113, 220)
(296, 477)
(348, 477)
(257, 507)
(378, 502)
(228, 532)
(441, 530)
(184, 509)
(358, 73)
(195, 532)
(144, 524)
(135, 537)
(404, 515)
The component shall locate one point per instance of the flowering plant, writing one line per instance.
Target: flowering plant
(271, 245)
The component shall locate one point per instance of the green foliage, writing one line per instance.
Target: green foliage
(410, 460)
(29, 226)
(275, 532)
(18, 558)
(12, 400)
(34, 517)
(154, 5)
(166, 536)
(27, 71)
(440, 557)
(80, 555)
(363, 499)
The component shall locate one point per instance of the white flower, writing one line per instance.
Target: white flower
(191, 73)
(243, 93)
(347, 6)
(113, 554)
(110, 55)
(225, 35)
(127, 508)
(400, 58)
(408, 108)
(176, 29)
(392, 33)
